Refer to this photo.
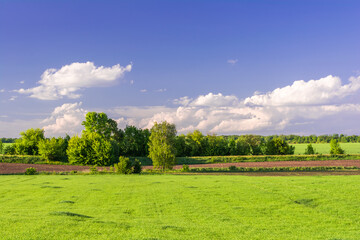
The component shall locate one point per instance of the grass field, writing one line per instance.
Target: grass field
(324, 148)
(179, 207)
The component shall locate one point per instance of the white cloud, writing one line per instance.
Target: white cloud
(143, 90)
(67, 81)
(132, 82)
(232, 61)
(161, 90)
(2, 90)
(22, 82)
(323, 91)
(65, 119)
(215, 100)
(12, 98)
(226, 114)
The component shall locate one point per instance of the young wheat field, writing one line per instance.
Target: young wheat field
(179, 207)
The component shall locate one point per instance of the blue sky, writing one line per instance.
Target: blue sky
(225, 67)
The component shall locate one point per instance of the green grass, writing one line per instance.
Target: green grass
(324, 148)
(179, 207)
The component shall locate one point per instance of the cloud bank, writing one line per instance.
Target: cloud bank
(316, 106)
(68, 80)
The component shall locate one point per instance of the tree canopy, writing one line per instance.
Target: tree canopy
(162, 145)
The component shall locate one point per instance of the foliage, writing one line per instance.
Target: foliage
(136, 166)
(93, 170)
(10, 149)
(101, 124)
(54, 149)
(92, 149)
(309, 150)
(161, 145)
(335, 147)
(1, 147)
(123, 166)
(30, 171)
(185, 168)
(278, 146)
(135, 142)
(28, 143)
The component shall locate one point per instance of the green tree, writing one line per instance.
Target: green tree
(162, 145)
(135, 142)
(92, 149)
(335, 147)
(53, 149)
(254, 144)
(1, 147)
(309, 150)
(28, 143)
(100, 123)
(195, 141)
(278, 146)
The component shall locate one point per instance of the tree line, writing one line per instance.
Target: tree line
(102, 142)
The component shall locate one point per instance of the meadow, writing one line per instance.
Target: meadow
(324, 148)
(179, 207)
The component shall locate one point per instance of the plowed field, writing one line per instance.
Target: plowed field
(12, 168)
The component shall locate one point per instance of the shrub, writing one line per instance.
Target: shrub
(136, 166)
(93, 170)
(30, 171)
(278, 146)
(309, 150)
(185, 168)
(232, 168)
(335, 147)
(124, 165)
(9, 150)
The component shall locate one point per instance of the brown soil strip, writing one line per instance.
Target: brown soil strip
(11, 168)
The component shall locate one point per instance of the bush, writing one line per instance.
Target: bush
(136, 166)
(185, 168)
(309, 150)
(232, 168)
(30, 171)
(278, 146)
(124, 166)
(93, 170)
(9, 150)
(335, 147)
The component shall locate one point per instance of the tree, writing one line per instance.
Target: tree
(135, 142)
(92, 149)
(54, 149)
(309, 150)
(162, 145)
(278, 146)
(335, 147)
(100, 123)
(196, 142)
(1, 147)
(254, 144)
(28, 143)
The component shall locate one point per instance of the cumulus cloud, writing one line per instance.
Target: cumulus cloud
(68, 80)
(66, 118)
(323, 91)
(226, 114)
(12, 98)
(2, 90)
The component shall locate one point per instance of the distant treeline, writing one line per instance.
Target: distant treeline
(8, 140)
(315, 139)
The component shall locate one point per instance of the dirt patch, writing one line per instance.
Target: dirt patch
(13, 168)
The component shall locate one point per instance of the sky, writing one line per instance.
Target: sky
(222, 67)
